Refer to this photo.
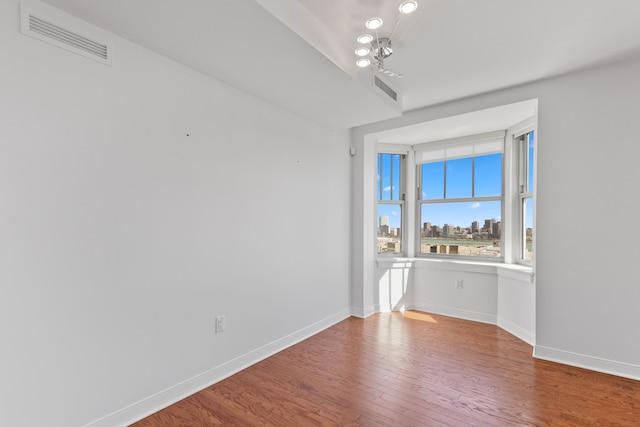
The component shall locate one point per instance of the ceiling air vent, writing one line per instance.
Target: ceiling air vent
(66, 38)
(385, 88)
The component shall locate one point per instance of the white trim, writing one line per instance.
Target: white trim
(363, 313)
(464, 140)
(516, 271)
(525, 126)
(154, 403)
(612, 367)
(456, 312)
(393, 263)
(517, 331)
(456, 265)
(392, 148)
(388, 308)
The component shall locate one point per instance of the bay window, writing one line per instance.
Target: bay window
(468, 198)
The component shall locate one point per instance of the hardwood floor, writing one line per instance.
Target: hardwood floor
(409, 369)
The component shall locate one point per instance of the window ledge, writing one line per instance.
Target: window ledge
(519, 272)
(514, 271)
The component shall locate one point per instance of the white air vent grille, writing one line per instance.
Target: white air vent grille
(61, 35)
(66, 38)
(385, 88)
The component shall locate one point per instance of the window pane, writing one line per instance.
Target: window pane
(527, 220)
(384, 169)
(459, 178)
(389, 228)
(395, 175)
(530, 165)
(488, 175)
(464, 228)
(389, 176)
(432, 181)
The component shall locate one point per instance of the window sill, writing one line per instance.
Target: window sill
(513, 271)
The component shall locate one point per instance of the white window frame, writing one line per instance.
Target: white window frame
(403, 151)
(517, 152)
(512, 234)
(458, 148)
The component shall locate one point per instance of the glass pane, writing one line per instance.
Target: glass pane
(488, 175)
(459, 178)
(464, 228)
(384, 169)
(389, 176)
(395, 182)
(527, 220)
(389, 228)
(432, 181)
(530, 165)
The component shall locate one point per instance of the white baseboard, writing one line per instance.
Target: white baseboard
(385, 308)
(363, 312)
(456, 312)
(139, 410)
(606, 366)
(517, 331)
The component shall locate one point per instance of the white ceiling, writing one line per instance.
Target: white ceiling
(298, 54)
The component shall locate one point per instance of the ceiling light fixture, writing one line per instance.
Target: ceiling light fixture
(363, 62)
(380, 47)
(373, 23)
(365, 38)
(408, 7)
(363, 51)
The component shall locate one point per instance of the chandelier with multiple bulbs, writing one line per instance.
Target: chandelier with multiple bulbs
(374, 49)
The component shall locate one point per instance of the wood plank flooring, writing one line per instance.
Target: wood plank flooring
(409, 369)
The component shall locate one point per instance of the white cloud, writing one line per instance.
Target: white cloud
(389, 188)
(475, 205)
(394, 213)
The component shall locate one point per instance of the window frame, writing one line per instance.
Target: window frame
(510, 238)
(521, 139)
(471, 199)
(401, 201)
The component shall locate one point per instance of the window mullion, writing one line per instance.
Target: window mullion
(473, 176)
(444, 171)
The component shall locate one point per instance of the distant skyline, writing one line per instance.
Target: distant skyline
(459, 179)
(457, 214)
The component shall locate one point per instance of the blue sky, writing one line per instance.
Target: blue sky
(458, 184)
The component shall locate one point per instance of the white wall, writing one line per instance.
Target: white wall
(435, 291)
(586, 287)
(121, 238)
(517, 304)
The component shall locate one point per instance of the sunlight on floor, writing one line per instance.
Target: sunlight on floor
(415, 315)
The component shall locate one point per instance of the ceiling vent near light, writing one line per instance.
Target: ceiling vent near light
(34, 24)
(385, 88)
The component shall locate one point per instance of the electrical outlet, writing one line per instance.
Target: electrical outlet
(219, 324)
(459, 284)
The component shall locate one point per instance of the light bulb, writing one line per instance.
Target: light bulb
(374, 23)
(363, 51)
(365, 38)
(408, 7)
(363, 62)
